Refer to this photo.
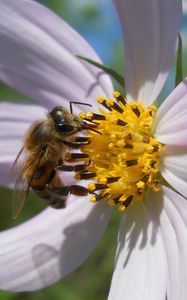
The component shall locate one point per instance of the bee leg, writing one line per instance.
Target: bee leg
(76, 190)
(81, 139)
(75, 145)
(69, 168)
(51, 176)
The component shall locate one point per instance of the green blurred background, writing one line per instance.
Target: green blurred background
(97, 21)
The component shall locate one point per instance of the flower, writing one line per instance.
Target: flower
(37, 57)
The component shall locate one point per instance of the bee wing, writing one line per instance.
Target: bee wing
(21, 187)
(19, 198)
(20, 191)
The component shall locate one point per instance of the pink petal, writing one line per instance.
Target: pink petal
(140, 270)
(15, 119)
(171, 212)
(171, 118)
(40, 61)
(51, 245)
(150, 31)
(174, 168)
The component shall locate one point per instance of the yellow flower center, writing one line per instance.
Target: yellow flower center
(124, 157)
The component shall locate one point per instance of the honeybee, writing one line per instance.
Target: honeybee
(44, 148)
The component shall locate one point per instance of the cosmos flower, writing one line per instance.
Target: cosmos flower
(37, 57)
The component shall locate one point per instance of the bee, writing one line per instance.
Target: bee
(43, 153)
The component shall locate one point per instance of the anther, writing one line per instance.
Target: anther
(103, 101)
(140, 185)
(116, 200)
(114, 106)
(131, 162)
(145, 178)
(129, 136)
(85, 176)
(155, 148)
(121, 123)
(146, 139)
(136, 111)
(99, 197)
(111, 202)
(128, 201)
(118, 96)
(112, 179)
(128, 146)
(93, 123)
(121, 208)
(91, 116)
(96, 187)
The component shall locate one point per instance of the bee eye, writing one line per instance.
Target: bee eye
(64, 128)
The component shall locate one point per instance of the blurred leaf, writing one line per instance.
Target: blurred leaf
(7, 93)
(90, 11)
(55, 5)
(179, 72)
(106, 69)
(6, 295)
(58, 6)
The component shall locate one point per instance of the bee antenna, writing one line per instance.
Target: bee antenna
(91, 129)
(75, 102)
(95, 131)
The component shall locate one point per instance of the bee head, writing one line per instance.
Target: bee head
(64, 122)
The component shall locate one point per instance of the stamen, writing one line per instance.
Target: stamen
(91, 116)
(99, 197)
(146, 139)
(115, 106)
(103, 101)
(116, 200)
(96, 186)
(128, 201)
(136, 111)
(121, 122)
(88, 125)
(118, 96)
(128, 146)
(105, 180)
(131, 162)
(80, 176)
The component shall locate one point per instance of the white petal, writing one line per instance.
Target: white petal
(40, 60)
(173, 226)
(140, 271)
(15, 119)
(150, 31)
(51, 245)
(171, 118)
(174, 168)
